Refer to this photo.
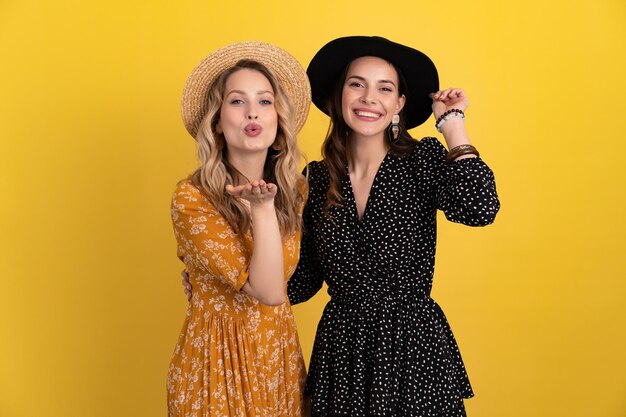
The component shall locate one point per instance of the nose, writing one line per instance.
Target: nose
(252, 113)
(367, 97)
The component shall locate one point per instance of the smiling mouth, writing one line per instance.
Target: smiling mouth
(367, 114)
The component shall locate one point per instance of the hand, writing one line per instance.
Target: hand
(256, 192)
(451, 98)
(186, 284)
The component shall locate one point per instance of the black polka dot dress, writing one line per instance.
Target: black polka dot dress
(383, 347)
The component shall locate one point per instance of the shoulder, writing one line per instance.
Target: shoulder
(425, 160)
(317, 175)
(315, 169)
(187, 196)
(427, 152)
(430, 147)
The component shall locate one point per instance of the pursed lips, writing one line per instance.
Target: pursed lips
(253, 129)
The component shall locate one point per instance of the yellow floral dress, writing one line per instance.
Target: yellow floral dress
(235, 356)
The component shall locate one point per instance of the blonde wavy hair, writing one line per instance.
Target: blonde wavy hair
(281, 165)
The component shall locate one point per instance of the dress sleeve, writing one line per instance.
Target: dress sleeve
(308, 278)
(466, 188)
(205, 239)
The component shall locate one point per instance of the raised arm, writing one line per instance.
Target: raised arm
(450, 122)
(466, 188)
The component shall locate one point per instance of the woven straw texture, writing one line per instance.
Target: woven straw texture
(290, 74)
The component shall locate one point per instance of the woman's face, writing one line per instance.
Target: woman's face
(248, 118)
(370, 96)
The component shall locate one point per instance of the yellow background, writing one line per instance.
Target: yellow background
(92, 144)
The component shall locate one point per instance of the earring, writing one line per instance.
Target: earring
(394, 128)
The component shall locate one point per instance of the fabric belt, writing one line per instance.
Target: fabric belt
(360, 295)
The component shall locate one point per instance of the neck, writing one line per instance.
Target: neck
(366, 153)
(250, 166)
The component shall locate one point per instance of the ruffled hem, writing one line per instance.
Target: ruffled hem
(359, 369)
(225, 366)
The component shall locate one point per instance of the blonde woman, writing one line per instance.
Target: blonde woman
(237, 222)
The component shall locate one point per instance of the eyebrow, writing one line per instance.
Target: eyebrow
(260, 92)
(358, 77)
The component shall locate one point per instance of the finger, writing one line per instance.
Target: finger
(455, 92)
(269, 187)
(443, 96)
(234, 191)
(437, 95)
(247, 188)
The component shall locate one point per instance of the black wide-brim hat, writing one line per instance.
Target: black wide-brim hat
(418, 70)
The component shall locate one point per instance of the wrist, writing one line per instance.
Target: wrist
(447, 116)
(451, 126)
(461, 152)
(262, 207)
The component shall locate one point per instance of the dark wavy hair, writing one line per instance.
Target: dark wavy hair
(334, 148)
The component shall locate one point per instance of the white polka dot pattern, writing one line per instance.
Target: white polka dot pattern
(383, 347)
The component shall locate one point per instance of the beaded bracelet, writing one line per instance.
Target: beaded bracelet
(447, 115)
(461, 150)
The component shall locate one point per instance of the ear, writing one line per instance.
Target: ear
(218, 128)
(401, 102)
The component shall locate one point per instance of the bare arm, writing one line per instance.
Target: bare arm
(266, 281)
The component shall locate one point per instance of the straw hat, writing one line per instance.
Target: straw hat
(418, 70)
(286, 69)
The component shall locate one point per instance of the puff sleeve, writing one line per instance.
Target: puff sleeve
(465, 190)
(205, 239)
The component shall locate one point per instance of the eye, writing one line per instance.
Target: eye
(386, 89)
(266, 102)
(236, 101)
(355, 84)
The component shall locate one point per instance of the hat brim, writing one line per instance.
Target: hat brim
(287, 70)
(418, 70)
